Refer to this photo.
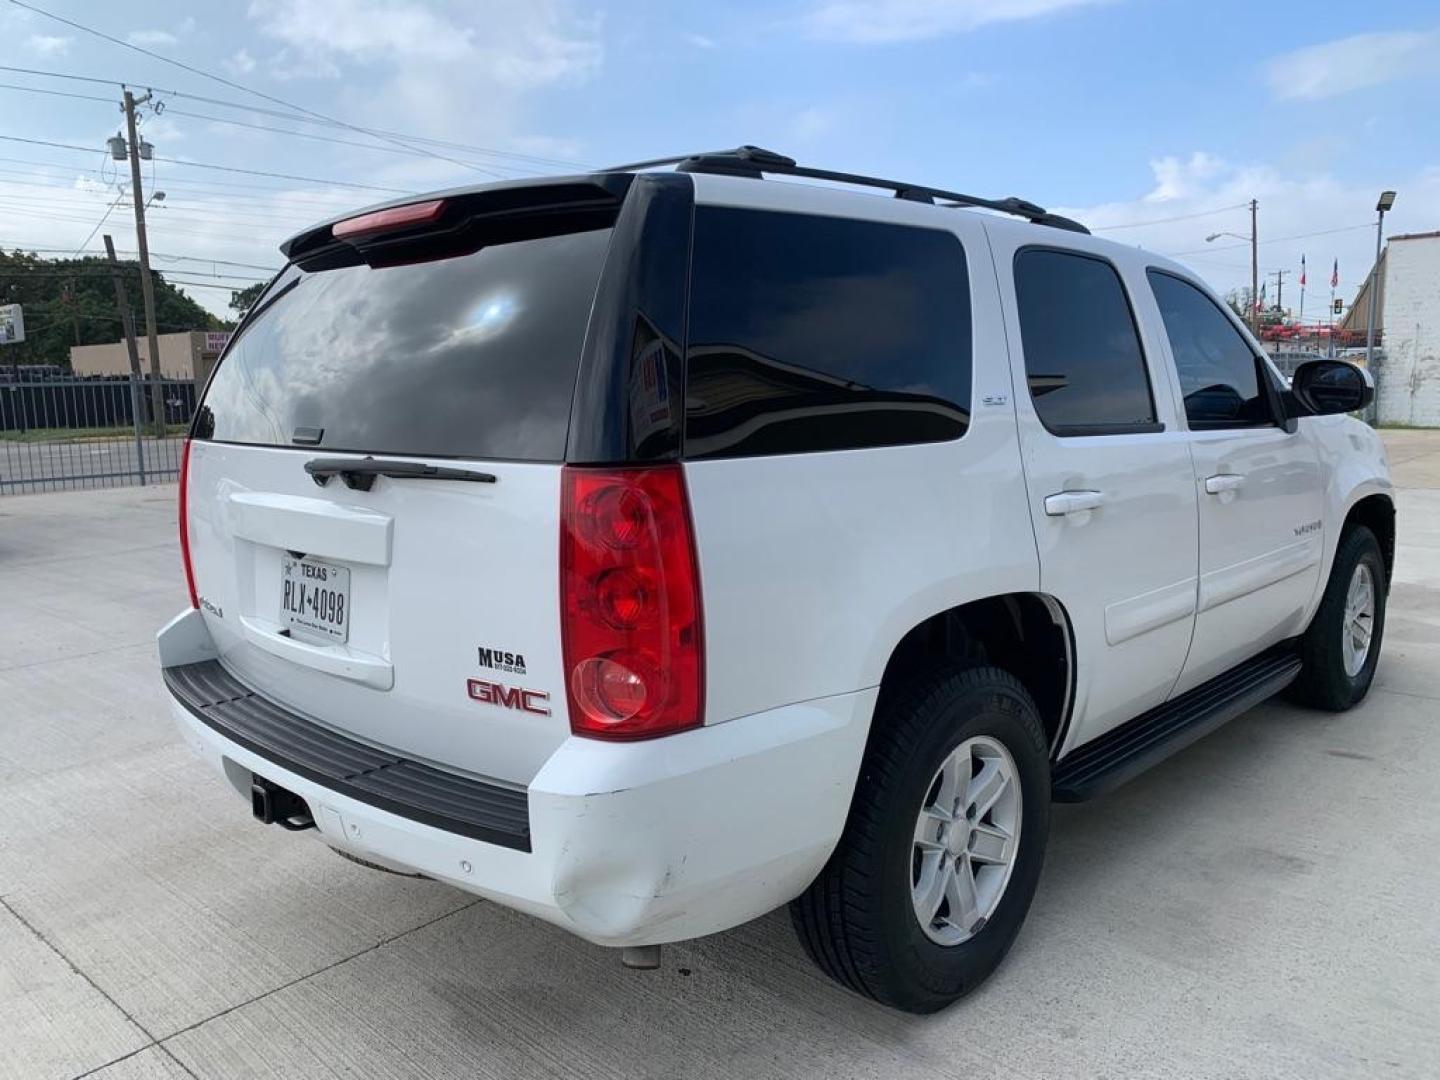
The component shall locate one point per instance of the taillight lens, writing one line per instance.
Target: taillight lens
(630, 603)
(185, 523)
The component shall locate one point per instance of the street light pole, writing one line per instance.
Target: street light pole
(1386, 201)
(1254, 238)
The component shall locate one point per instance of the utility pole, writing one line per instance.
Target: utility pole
(127, 323)
(1254, 269)
(67, 297)
(147, 287)
(1280, 288)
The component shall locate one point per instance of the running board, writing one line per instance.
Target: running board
(1133, 747)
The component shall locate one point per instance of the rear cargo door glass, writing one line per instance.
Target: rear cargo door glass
(473, 356)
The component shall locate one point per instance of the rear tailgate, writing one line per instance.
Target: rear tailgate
(417, 613)
(445, 579)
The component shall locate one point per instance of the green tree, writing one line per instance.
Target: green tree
(241, 300)
(72, 302)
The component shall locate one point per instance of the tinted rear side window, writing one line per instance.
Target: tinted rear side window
(1083, 359)
(1219, 372)
(474, 356)
(811, 333)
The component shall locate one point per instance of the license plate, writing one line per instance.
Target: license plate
(315, 599)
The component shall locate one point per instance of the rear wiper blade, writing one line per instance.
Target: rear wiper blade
(359, 475)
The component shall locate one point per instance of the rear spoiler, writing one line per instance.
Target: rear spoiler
(463, 219)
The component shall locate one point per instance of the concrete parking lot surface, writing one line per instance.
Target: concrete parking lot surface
(1265, 904)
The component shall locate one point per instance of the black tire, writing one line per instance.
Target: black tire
(1323, 682)
(856, 920)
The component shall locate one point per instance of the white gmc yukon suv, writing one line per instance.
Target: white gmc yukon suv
(647, 549)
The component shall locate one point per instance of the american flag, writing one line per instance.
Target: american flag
(1335, 275)
(1302, 271)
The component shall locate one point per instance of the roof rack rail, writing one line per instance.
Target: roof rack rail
(755, 162)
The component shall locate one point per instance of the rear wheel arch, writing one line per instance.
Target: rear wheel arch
(1027, 634)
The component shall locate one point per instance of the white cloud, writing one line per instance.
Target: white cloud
(47, 45)
(1300, 212)
(241, 63)
(700, 41)
(151, 38)
(1177, 178)
(517, 44)
(872, 21)
(1352, 63)
(162, 132)
(454, 69)
(561, 150)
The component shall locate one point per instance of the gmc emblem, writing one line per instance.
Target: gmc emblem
(491, 693)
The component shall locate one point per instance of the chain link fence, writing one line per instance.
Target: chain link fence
(66, 434)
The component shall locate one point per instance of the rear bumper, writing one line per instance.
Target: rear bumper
(629, 843)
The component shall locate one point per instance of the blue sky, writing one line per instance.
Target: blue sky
(1125, 113)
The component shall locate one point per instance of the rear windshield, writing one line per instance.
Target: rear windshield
(474, 356)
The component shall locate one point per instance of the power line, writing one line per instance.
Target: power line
(1167, 220)
(153, 255)
(56, 93)
(314, 119)
(224, 81)
(59, 75)
(279, 193)
(317, 138)
(100, 269)
(297, 216)
(280, 176)
(256, 127)
(61, 320)
(1271, 240)
(206, 165)
(488, 151)
(113, 203)
(165, 226)
(229, 287)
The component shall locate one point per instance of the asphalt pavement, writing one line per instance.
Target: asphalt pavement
(1265, 904)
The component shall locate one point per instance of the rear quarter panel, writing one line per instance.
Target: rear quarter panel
(814, 566)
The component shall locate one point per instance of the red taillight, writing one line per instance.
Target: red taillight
(185, 523)
(420, 213)
(630, 603)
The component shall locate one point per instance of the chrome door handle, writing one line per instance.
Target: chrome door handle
(1223, 482)
(1072, 502)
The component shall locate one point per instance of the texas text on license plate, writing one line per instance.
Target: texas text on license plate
(315, 598)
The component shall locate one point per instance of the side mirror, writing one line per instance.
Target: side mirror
(1326, 387)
